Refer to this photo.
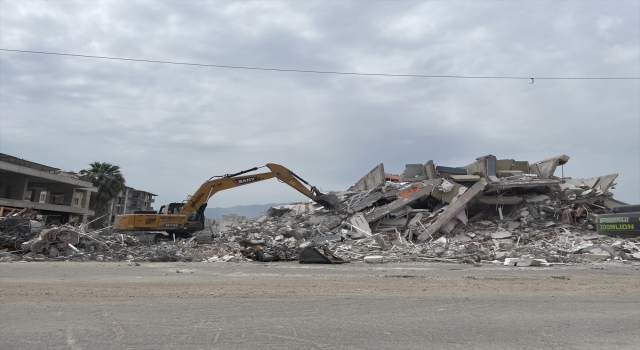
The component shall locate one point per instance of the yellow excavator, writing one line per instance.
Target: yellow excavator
(183, 219)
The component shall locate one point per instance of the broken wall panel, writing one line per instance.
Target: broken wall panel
(522, 166)
(413, 172)
(504, 164)
(484, 166)
(371, 180)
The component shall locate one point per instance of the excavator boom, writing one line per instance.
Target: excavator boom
(189, 216)
(211, 187)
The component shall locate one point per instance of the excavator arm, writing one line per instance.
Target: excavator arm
(187, 217)
(211, 187)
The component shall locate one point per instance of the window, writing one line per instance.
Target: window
(56, 198)
(7, 192)
(76, 201)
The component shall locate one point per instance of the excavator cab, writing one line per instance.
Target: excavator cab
(171, 208)
(195, 220)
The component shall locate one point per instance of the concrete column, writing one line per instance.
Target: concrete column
(86, 198)
(126, 198)
(24, 189)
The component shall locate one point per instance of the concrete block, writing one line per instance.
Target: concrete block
(500, 234)
(430, 170)
(372, 259)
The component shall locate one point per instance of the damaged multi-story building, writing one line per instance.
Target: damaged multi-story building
(128, 201)
(58, 195)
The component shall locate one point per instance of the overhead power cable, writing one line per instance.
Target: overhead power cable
(318, 71)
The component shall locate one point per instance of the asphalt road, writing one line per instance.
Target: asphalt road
(287, 305)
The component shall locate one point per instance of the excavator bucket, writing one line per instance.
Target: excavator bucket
(329, 201)
(312, 255)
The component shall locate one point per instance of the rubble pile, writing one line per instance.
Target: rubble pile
(493, 210)
(489, 210)
(17, 228)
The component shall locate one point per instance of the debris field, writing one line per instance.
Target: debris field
(498, 211)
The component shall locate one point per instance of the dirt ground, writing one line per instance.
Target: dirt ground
(90, 282)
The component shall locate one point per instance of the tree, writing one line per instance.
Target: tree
(109, 181)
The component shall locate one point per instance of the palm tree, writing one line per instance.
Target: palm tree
(109, 181)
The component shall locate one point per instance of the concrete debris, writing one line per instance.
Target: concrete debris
(500, 211)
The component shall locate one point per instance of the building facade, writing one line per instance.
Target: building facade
(54, 193)
(129, 200)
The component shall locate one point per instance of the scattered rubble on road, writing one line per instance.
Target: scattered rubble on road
(493, 210)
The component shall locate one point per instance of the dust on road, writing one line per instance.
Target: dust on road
(310, 286)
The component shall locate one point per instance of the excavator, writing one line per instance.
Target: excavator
(185, 218)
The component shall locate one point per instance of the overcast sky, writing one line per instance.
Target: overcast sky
(171, 127)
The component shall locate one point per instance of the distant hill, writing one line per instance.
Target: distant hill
(250, 211)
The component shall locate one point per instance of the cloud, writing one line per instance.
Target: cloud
(172, 127)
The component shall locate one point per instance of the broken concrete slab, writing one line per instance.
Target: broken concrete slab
(459, 218)
(546, 168)
(453, 209)
(394, 222)
(366, 202)
(525, 262)
(380, 212)
(537, 199)
(447, 170)
(506, 200)
(465, 178)
(360, 225)
(371, 180)
(448, 191)
(605, 182)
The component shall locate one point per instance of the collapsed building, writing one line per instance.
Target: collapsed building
(492, 210)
